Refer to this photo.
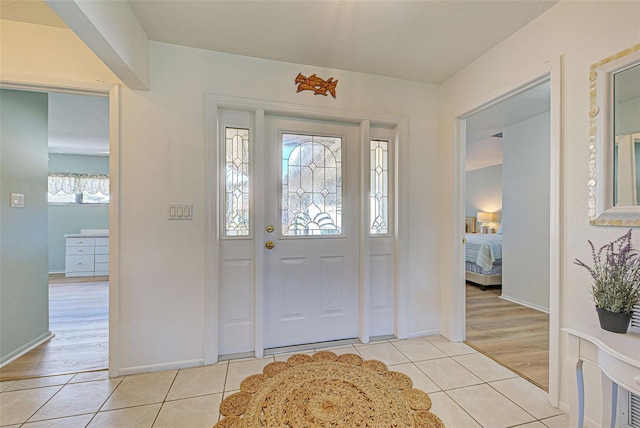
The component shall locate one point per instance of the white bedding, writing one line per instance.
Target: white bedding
(483, 249)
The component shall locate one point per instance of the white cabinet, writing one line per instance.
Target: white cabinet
(86, 255)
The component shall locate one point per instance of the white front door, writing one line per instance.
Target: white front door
(312, 200)
(326, 190)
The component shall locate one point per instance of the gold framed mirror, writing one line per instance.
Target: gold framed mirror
(614, 144)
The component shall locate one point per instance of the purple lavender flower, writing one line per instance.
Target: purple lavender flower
(616, 275)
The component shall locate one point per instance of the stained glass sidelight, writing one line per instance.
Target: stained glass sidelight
(311, 185)
(379, 164)
(236, 182)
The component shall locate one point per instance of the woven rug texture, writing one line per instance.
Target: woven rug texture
(326, 390)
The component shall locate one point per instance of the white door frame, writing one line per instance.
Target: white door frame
(112, 91)
(212, 104)
(551, 71)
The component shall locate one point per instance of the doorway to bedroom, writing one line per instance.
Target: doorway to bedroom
(507, 210)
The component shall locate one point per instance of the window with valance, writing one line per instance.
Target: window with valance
(72, 188)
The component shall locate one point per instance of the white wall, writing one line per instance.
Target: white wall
(525, 241)
(483, 191)
(162, 262)
(582, 33)
(43, 54)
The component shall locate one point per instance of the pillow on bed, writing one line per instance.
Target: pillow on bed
(500, 229)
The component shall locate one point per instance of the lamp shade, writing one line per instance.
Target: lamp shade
(484, 217)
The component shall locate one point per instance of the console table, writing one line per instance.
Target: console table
(617, 356)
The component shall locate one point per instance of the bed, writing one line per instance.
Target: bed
(483, 259)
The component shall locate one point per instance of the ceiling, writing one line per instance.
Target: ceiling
(420, 40)
(424, 41)
(484, 148)
(78, 124)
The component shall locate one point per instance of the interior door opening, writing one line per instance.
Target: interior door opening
(77, 215)
(507, 209)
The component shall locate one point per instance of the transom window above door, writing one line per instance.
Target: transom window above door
(311, 185)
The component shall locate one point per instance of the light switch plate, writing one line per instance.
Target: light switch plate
(17, 200)
(180, 212)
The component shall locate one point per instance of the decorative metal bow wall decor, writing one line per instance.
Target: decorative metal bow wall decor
(316, 84)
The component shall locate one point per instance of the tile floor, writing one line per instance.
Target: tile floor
(467, 390)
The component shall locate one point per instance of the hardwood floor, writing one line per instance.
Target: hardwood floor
(513, 335)
(79, 318)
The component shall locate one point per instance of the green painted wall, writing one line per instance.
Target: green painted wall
(24, 291)
(65, 219)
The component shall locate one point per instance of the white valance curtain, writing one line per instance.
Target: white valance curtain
(72, 184)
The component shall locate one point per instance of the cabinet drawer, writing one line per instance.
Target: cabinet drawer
(620, 372)
(78, 251)
(102, 242)
(102, 269)
(102, 258)
(102, 250)
(80, 242)
(79, 263)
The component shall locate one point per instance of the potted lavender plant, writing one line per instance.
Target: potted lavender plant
(616, 282)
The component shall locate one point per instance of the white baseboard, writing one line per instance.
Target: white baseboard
(523, 303)
(174, 365)
(422, 333)
(25, 348)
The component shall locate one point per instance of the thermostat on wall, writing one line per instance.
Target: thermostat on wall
(17, 200)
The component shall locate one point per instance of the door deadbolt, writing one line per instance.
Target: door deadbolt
(269, 245)
(269, 229)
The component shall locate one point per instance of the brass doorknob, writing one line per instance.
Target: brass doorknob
(269, 245)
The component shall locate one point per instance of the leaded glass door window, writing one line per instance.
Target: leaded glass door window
(311, 185)
(236, 152)
(379, 169)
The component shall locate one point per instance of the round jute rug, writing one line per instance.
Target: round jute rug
(328, 391)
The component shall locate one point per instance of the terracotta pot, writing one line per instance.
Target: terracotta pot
(615, 322)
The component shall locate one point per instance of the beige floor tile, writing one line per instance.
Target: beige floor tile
(70, 422)
(447, 373)
(40, 382)
(528, 396)
(385, 352)
(198, 381)
(90, 376)
(131, 417)
(451, 413)
(6, 384)
(138, 390)
(560, 421)
(238, 371)
(484, 367)
(76, 399)
(536, 424)
(418, 349)
(191, 412)
(339, 350)
(477, 400)
(420, 380)
(450, 348)
(17, 407)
